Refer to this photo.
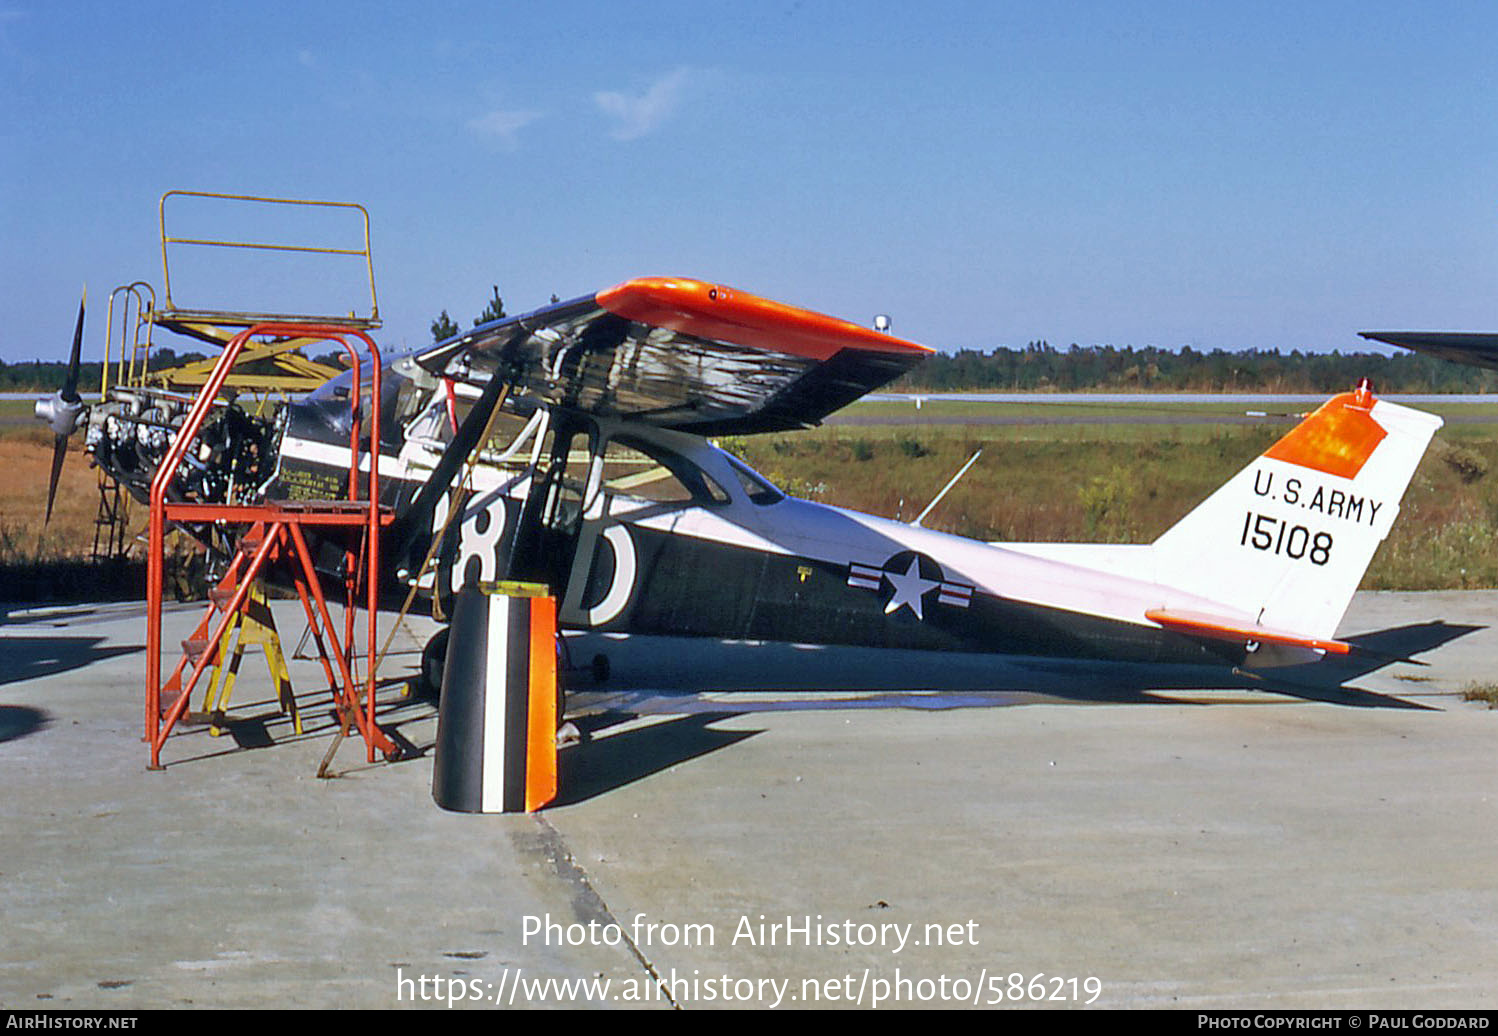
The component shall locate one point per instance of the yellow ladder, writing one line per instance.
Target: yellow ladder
(254, 624)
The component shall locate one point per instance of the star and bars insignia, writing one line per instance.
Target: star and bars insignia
(911, 577)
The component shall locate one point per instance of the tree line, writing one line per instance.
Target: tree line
(1037, 368)
(1105, 368)
(49, 375)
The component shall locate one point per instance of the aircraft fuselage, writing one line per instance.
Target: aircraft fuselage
(650, 532)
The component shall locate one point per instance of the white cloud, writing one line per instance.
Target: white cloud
(636, 115)
(503, 127)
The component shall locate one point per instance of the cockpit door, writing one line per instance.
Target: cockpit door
(551, 517)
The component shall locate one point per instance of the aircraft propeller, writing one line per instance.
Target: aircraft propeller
(63, 410)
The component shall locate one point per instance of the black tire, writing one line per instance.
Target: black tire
(433, 659)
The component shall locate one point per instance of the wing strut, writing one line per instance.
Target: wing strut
(474, 431)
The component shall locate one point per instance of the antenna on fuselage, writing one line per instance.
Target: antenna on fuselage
(931, 506)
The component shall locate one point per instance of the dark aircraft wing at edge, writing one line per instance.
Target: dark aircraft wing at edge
(682, 354)
(1477, 349)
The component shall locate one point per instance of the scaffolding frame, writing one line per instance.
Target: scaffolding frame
(266, 368)
(276, 533)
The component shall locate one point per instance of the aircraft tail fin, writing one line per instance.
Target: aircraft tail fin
(1284, 544)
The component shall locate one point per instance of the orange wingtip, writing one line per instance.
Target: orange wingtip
(725, 314)
(1337, 439)
(1218, 627)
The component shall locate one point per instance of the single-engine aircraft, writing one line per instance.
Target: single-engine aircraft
(608, 488)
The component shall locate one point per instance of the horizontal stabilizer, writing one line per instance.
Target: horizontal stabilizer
(1218, 627)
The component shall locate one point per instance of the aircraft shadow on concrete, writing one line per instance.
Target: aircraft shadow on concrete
(1403, 642)
(31, 658)
(602, 764)
(17, 721)
(1327, 680)
(779, 678)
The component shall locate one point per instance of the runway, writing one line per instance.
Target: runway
(1229, 848)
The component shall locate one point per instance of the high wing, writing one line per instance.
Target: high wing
(1477, 349)
(682, 354)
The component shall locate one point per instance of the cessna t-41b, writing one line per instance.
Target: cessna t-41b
(605, 485)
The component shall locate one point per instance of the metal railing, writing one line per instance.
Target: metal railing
(140, 304)
(237, 318)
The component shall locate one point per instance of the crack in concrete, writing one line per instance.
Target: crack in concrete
(587, 904)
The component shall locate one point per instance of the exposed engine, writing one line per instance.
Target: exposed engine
(232, 459)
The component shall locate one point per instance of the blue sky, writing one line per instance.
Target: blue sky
(1205, 174)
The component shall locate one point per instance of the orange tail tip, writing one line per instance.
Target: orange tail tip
(1337, 439)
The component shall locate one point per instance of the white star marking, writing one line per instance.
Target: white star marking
(910, 588)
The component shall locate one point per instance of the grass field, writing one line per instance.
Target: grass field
(25, 463)
(1101, 482)
(1126, 412)
(1127, 482)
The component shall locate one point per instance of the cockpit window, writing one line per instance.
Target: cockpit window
(398, 400)
(647, 472)
(448, 406)
(755, 487)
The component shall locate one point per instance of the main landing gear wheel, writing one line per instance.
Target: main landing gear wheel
(433, 658)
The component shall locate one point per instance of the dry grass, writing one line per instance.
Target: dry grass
(1485, 692)
(1024, 488)
(1446, 535)
(1033, 483)
(25, 464)
(1074, 484)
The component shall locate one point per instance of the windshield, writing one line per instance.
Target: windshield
(397, 397)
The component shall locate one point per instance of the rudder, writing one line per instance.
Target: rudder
(1286, 541)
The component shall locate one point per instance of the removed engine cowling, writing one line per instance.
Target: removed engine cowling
(231, 460)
